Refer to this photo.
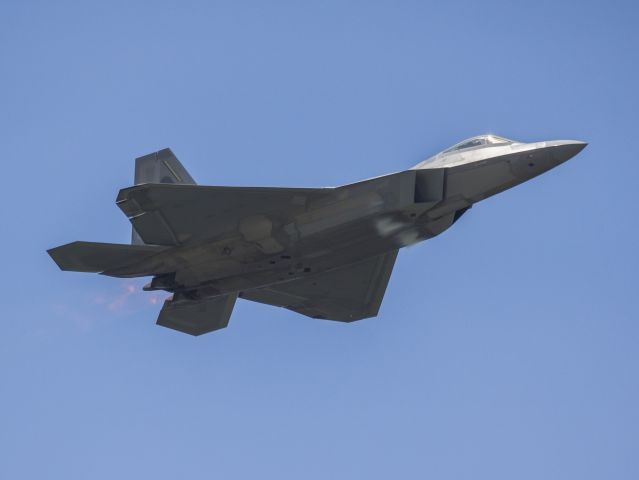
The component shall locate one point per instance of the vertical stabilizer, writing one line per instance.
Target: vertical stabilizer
(159, 167)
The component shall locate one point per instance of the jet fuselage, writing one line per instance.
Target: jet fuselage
(322, 252)
(352, 222)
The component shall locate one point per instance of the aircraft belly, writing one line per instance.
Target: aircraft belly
(355, 223)
(318, 253)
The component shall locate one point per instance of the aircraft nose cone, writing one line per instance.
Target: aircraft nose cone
(563, 150)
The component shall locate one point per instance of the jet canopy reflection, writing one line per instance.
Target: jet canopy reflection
(479, 141)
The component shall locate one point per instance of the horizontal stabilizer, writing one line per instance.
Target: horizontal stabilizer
(197, 317)
(98, 257)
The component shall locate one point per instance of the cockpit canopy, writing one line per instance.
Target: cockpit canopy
(481, 140)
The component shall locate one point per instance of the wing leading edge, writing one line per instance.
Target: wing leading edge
(345, 294)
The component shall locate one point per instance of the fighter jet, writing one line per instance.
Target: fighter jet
(326, 253)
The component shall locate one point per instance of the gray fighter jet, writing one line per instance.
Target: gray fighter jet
(323, 252)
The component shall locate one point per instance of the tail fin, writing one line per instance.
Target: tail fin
(159, 167)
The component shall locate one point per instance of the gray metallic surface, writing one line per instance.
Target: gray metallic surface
(322, 252)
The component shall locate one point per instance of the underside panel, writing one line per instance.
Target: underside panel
(182, 212)
(345, 294)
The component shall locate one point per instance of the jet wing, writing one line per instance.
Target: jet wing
(171, 214)
(346, 294)
(196, 317)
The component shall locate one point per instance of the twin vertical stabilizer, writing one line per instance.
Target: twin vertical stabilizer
(159, 167)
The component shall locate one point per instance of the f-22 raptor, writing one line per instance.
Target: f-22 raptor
(326, 253)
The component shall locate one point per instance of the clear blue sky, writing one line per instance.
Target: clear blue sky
(505, 348)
